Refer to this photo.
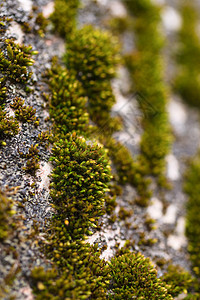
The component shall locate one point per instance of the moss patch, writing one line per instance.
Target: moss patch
(146, 69)
(187, 82)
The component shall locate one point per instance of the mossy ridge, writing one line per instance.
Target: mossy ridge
(36, 23)
(79, 188)
(78, 272)
(93, 56)
(79, 184)
(187, 82)
(145, 66)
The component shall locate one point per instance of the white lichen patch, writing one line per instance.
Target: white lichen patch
(10, 112)
(159, 2)
(178, 240)
(48, 9)
(170, 216)
(26, 4)
(43, 173)
(171, 19)
(172, 167)
(110, 238)
(155, 209)
(15, 30)
(26, 292)
(177, 115)
(103, 2)
(117, 9)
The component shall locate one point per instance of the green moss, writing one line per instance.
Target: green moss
(93, 55)
(178, 280)
(81, 177)
(32, 157)
(36, 24)
(6, 213)
(80, 180)
(15, 60)
(64, 16)
(119, 25)
(86, 278)
(68, 101)
(192, 189)
(134, 276)
(187, 82)
(146, 68)
(24, 113)
(3, 91)
(44, 138)
(8, 125)
(42, 22)
(124, 213)
(79, 184)
(128, 170)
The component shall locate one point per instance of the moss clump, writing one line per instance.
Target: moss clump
(64, 16)
(192, 189)
(32, 164)
(24, 113)
(81, 179)
(93, 55)
(81, 275)
(3, 91)
(14, 61)
(44, 138)
(68, 101)
(178, 281)
(42, 22)
(187, 81)
(146, 66)
(134, 276)
(8, 125)
(119, 25)
(6, 212)
(128, 170)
